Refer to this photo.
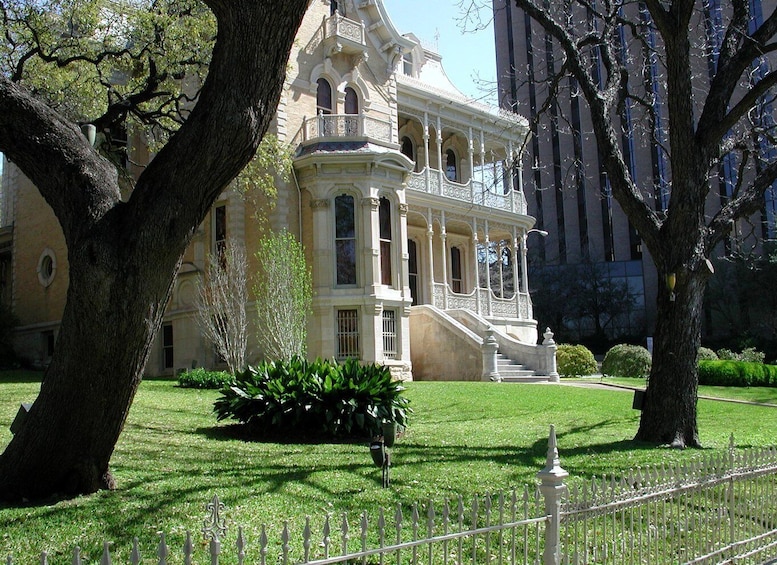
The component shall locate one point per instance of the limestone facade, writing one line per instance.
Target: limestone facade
(404, 192)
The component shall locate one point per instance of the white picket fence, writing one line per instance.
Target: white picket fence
(719, 509)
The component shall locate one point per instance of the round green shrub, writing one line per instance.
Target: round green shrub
(202, 378)
(632, 361)
(575, 361)
(707, 354)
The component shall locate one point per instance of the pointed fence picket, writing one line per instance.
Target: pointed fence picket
(717, 509)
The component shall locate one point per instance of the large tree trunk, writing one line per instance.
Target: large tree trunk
(669, 412)
(123, 257)
(114, 308)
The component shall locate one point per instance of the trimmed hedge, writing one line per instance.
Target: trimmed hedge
(737, 373)
(575, 361)
(314, 399)
(202, 378)
(625, 360)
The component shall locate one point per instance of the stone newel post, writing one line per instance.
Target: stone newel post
(489, 349)
(550, 355)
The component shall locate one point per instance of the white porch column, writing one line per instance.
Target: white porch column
(488, 269)
(483, 160)
(440, 165)
(427, 163)
(471, 149)
(475, 264)
(524, 268)
(430, 260)
(510, 177)
(516, 286)
(444, 238)
(499, 250)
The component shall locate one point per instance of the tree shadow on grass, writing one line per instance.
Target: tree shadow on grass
(240, 432)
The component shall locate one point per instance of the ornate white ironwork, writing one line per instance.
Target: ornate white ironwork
(214, 527)
(719, 508)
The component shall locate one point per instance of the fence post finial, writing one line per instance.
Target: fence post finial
(552, 488)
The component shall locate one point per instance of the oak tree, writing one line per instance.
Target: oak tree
(204, 79)
(698, 81)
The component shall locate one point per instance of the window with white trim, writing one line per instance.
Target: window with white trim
(389, 334)
(168, 357)
(456, 270)
(345, 239)
(347, 335)
(384, 215)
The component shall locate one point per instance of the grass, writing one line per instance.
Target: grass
(467, 438)
(763, 395)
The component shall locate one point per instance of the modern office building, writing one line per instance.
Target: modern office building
(566, 187)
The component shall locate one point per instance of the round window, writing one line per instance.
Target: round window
(47, 267)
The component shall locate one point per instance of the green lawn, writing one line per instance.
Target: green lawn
(764, 395)
(468, 438)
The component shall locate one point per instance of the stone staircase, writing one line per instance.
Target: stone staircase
(512, 372)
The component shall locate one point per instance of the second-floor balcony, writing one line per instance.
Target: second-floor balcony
(341, 126)
(343, 35)
(430, 180)
(433, 181)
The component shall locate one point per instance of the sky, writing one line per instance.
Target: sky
(465, 55)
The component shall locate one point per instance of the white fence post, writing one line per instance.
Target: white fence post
(552, 487)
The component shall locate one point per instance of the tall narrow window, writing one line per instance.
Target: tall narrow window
(323, 97)
(412, 268)
(351, 101)
(167, 346)
(451, 168)
(351, 123)
(385, 241)
(389, 334)
(347, 334)
(345, 239)
(456, 269)
(220, 231)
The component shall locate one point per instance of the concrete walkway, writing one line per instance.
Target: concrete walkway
(595, 381)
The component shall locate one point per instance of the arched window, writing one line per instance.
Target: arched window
(351, 101)
(407, 148)
(323, 97)
(345, 239)
(384, 216)
(451, 168)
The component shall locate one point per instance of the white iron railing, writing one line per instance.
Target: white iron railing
(719, 509)
(343, 126)
(473, 191)
(483, 302)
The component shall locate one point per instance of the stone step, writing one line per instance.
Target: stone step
(512, 372)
